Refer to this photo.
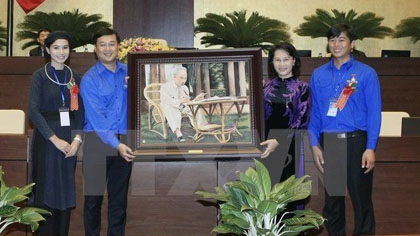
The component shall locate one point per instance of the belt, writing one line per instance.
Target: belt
(353, 134)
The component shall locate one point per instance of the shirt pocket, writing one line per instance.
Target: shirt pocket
(322, 83)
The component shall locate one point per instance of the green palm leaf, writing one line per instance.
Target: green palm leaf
(234, 30)
(3, 35)
(80, 26)
(366, 25)
(409, 27)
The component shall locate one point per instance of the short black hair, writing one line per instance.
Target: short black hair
(335, 31)
(102, 32)
(52, 37)
(42, 30)
(289, 48)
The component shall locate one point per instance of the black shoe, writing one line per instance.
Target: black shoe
(181, 139)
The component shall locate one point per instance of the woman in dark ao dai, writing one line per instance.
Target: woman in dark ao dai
(56, 110)
(287, 104)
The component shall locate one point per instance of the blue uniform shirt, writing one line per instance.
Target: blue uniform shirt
(363, 108)
(105, 98)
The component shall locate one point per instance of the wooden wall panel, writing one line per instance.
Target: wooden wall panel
(398, 149)
(395, 191)
(20, 65)
(402, 95)
(154, 209)
(13, 147)
(15, 173)
(161, 200)
(396, 198)
(172, 20)
(18, 88)
(16, 74)
(13, 151)
(399, 91)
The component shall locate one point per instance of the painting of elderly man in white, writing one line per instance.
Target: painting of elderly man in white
(196, 104)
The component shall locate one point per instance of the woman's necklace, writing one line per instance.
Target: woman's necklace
(56, 82)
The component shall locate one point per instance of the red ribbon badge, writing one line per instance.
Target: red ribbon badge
(348, 90)
(74, 97)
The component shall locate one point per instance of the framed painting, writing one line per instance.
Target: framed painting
(196, 103)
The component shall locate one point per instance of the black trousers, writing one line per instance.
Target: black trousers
(103, 166)
(56, 224)
(343, 160)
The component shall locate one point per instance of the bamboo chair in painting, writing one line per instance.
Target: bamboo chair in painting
(155, 116)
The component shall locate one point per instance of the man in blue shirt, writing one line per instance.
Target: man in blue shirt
(344, 129)
(106, 159)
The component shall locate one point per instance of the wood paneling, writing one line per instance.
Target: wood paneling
(13, 147)
(399, 88)
(395, 191)
(16, 73)
(161, 199)
(398, 149)
(172, 20)
(13, 150)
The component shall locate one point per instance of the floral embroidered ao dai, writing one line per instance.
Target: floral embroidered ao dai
(287, 105)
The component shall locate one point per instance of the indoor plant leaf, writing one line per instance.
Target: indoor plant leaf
(234, 220)
(10, 214)
(267, 206)
(220, 195)
(264, 179)
(247, 212)
(226, 228)
(8, 210)
(279, 187)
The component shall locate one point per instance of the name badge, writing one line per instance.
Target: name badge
(332, 110)
(64, 116)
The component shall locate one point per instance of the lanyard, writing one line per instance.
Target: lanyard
(337, 83)
(62, 87)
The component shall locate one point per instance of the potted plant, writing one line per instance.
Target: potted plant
(366, 25)
(80, 26)
(9, 213)
(251, 206)
(237, 31)
(408, 27)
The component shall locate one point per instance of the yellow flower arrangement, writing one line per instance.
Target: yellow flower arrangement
(141, 45)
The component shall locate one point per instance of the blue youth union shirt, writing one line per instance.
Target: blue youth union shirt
(105, 99)
(363, 108)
